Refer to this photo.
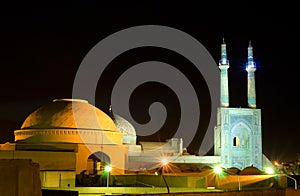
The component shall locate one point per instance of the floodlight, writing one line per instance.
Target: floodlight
(218, 170)
(269, 170)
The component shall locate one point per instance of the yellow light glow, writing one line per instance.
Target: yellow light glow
(108, 168)
(269, 170)
(218, 170)
(164, 161)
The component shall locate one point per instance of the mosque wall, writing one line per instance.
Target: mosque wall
(57, 179)
(55, 161)
(117, 156)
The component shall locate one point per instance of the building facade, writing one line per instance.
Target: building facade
(238, 136)
(71, 140)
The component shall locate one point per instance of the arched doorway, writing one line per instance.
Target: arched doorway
(94, 175)
(96, 163)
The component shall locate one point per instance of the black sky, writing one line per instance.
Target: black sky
(41, 47)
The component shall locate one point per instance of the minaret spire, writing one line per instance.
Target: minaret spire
(223, 66)
(111, 114)
(251, 67)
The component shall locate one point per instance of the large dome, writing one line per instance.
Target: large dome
(69, 114)
(68, 121)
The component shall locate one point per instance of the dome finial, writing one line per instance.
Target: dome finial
(111, 114)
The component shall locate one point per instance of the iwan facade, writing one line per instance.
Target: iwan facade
(238, 132)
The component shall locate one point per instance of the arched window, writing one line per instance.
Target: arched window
(236, 141)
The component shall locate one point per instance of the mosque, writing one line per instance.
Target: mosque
(238, 132)
(71, 138)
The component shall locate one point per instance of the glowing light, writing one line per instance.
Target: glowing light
(108, 168)
(276, 163)
(269, 170)
(164, 162)
(250, 65)
(218, 170)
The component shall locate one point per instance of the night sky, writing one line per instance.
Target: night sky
(42, 47)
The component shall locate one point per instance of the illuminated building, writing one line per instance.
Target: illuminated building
(73, 140)
(238, 136)
(68, 138)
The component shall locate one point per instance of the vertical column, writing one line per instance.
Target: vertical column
(250, 68)
(223, 66)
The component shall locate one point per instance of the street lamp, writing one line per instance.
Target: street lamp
(269, 170)
(218, 170)
(107, 169)
(164, 162)
(159, 171)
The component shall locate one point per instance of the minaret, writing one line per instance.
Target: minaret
(251, 67)
(223, 66)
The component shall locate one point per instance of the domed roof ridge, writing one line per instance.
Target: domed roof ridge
(69, 114)
(72, 100)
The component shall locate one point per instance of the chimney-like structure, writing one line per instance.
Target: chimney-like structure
(223, 66)
(251, 67)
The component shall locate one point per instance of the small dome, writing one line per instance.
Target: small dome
(69, 114)
(233, 170)
(206, 168)
(250, 171)
(124, 126)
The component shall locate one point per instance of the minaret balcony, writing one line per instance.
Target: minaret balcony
(251, 66)
(224, 62)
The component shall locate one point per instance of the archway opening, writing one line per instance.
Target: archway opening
(236, 141)
(94, 175)
(96, 163)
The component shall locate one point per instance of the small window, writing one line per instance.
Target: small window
(236, 141)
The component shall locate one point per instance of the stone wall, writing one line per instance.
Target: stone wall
(19, 177)
(282, 192)
(157, 181)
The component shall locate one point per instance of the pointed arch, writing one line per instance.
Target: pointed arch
(96, 162)
(240, 134)
(100, 156)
